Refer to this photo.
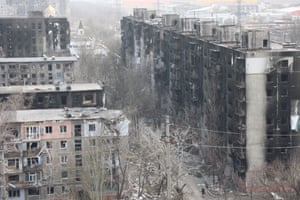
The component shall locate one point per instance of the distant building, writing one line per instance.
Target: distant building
(82, 43)
(34, 36)
(36, 70)
(14, 8)
(224, 78)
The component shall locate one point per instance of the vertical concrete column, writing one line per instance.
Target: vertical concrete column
(256, 99)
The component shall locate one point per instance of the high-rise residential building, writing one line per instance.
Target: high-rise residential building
(34, 36)
(230, 80)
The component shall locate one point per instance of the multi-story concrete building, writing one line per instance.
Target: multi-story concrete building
(37, 70)
(49, 150)
(34, 36)
(231, 80)
(58, 141)
(56, 96)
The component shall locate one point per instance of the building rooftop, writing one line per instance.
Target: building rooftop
(64, 114)
(38, 59)
(50, 88)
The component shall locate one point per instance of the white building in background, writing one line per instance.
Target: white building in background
(82, 43)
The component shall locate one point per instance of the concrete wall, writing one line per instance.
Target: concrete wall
(256, 110)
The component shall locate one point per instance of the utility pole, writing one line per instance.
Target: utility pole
(168, 158)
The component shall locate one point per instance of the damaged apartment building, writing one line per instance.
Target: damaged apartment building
(50, 123)
(231, 79)
(34, 50)
(48, 140)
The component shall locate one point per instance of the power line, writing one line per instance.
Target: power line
(233, 133)
(249, 146)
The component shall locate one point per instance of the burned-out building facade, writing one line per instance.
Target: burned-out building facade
(231, 79)
(51, 125)
(56, 96)
(34, 36)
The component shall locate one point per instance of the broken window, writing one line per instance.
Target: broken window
(78, 175)
(40, 99)
(63, 129)
(13, 193)
(89, 99)
(269, 150)
(283, 120)
(49, 145)
(64, 100)
(284, 105)
(76, 100)
(12, 67)
(63, 159)
(269, 120)
(64, 174)
(78, 146)
(50, 190)
(284, 63)
(269, 77)
(48, 129)
(269, 92)
(283, 150)
(77, 129)
(63, 189)
(50, 76)
(32, 161)
(13, 163)
(13, 75)
(32, 146)
(92, 127)
(33, 191)
(63, 144)
(284, 77)
(269, 137)
(265, 43)
(78, 160)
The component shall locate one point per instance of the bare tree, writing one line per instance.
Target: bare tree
(104, 167)
(8, 133)
(278, 178)
(149, 164)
